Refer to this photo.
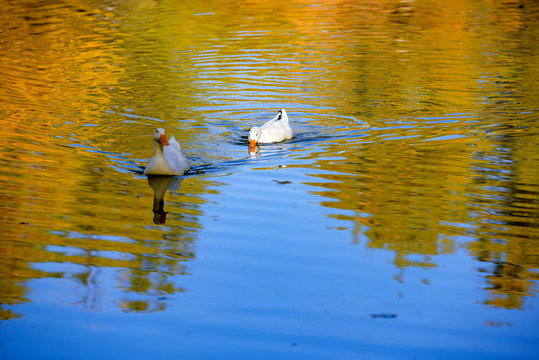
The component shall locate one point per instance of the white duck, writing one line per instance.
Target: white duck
(168, 162)
(275, 130)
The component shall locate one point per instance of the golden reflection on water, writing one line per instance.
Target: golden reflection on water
(83, 84)
(421, 198)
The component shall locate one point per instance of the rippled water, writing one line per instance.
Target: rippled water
(401, 221)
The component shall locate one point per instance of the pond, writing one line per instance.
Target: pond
(400, 222)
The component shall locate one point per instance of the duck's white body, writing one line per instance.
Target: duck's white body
(168, 160)
(275, 130)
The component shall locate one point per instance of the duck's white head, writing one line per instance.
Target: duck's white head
(160, 137)
(254, 135)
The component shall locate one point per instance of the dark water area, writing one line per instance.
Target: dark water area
(400, 222)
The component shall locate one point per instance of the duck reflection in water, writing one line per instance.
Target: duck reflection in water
(254, 151)
(160, 184)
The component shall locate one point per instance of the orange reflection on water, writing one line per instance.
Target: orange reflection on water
(84, 84)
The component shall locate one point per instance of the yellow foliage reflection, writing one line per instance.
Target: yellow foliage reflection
(82, 83)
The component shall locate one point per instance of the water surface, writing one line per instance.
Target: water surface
(401, 221)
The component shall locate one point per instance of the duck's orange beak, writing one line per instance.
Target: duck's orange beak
(252, 145)
(163, 139)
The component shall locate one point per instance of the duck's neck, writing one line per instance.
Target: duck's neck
(158, 149)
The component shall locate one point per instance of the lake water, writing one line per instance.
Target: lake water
(400, 222)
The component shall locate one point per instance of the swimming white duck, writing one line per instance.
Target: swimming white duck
(275, 130)
(168, 162)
